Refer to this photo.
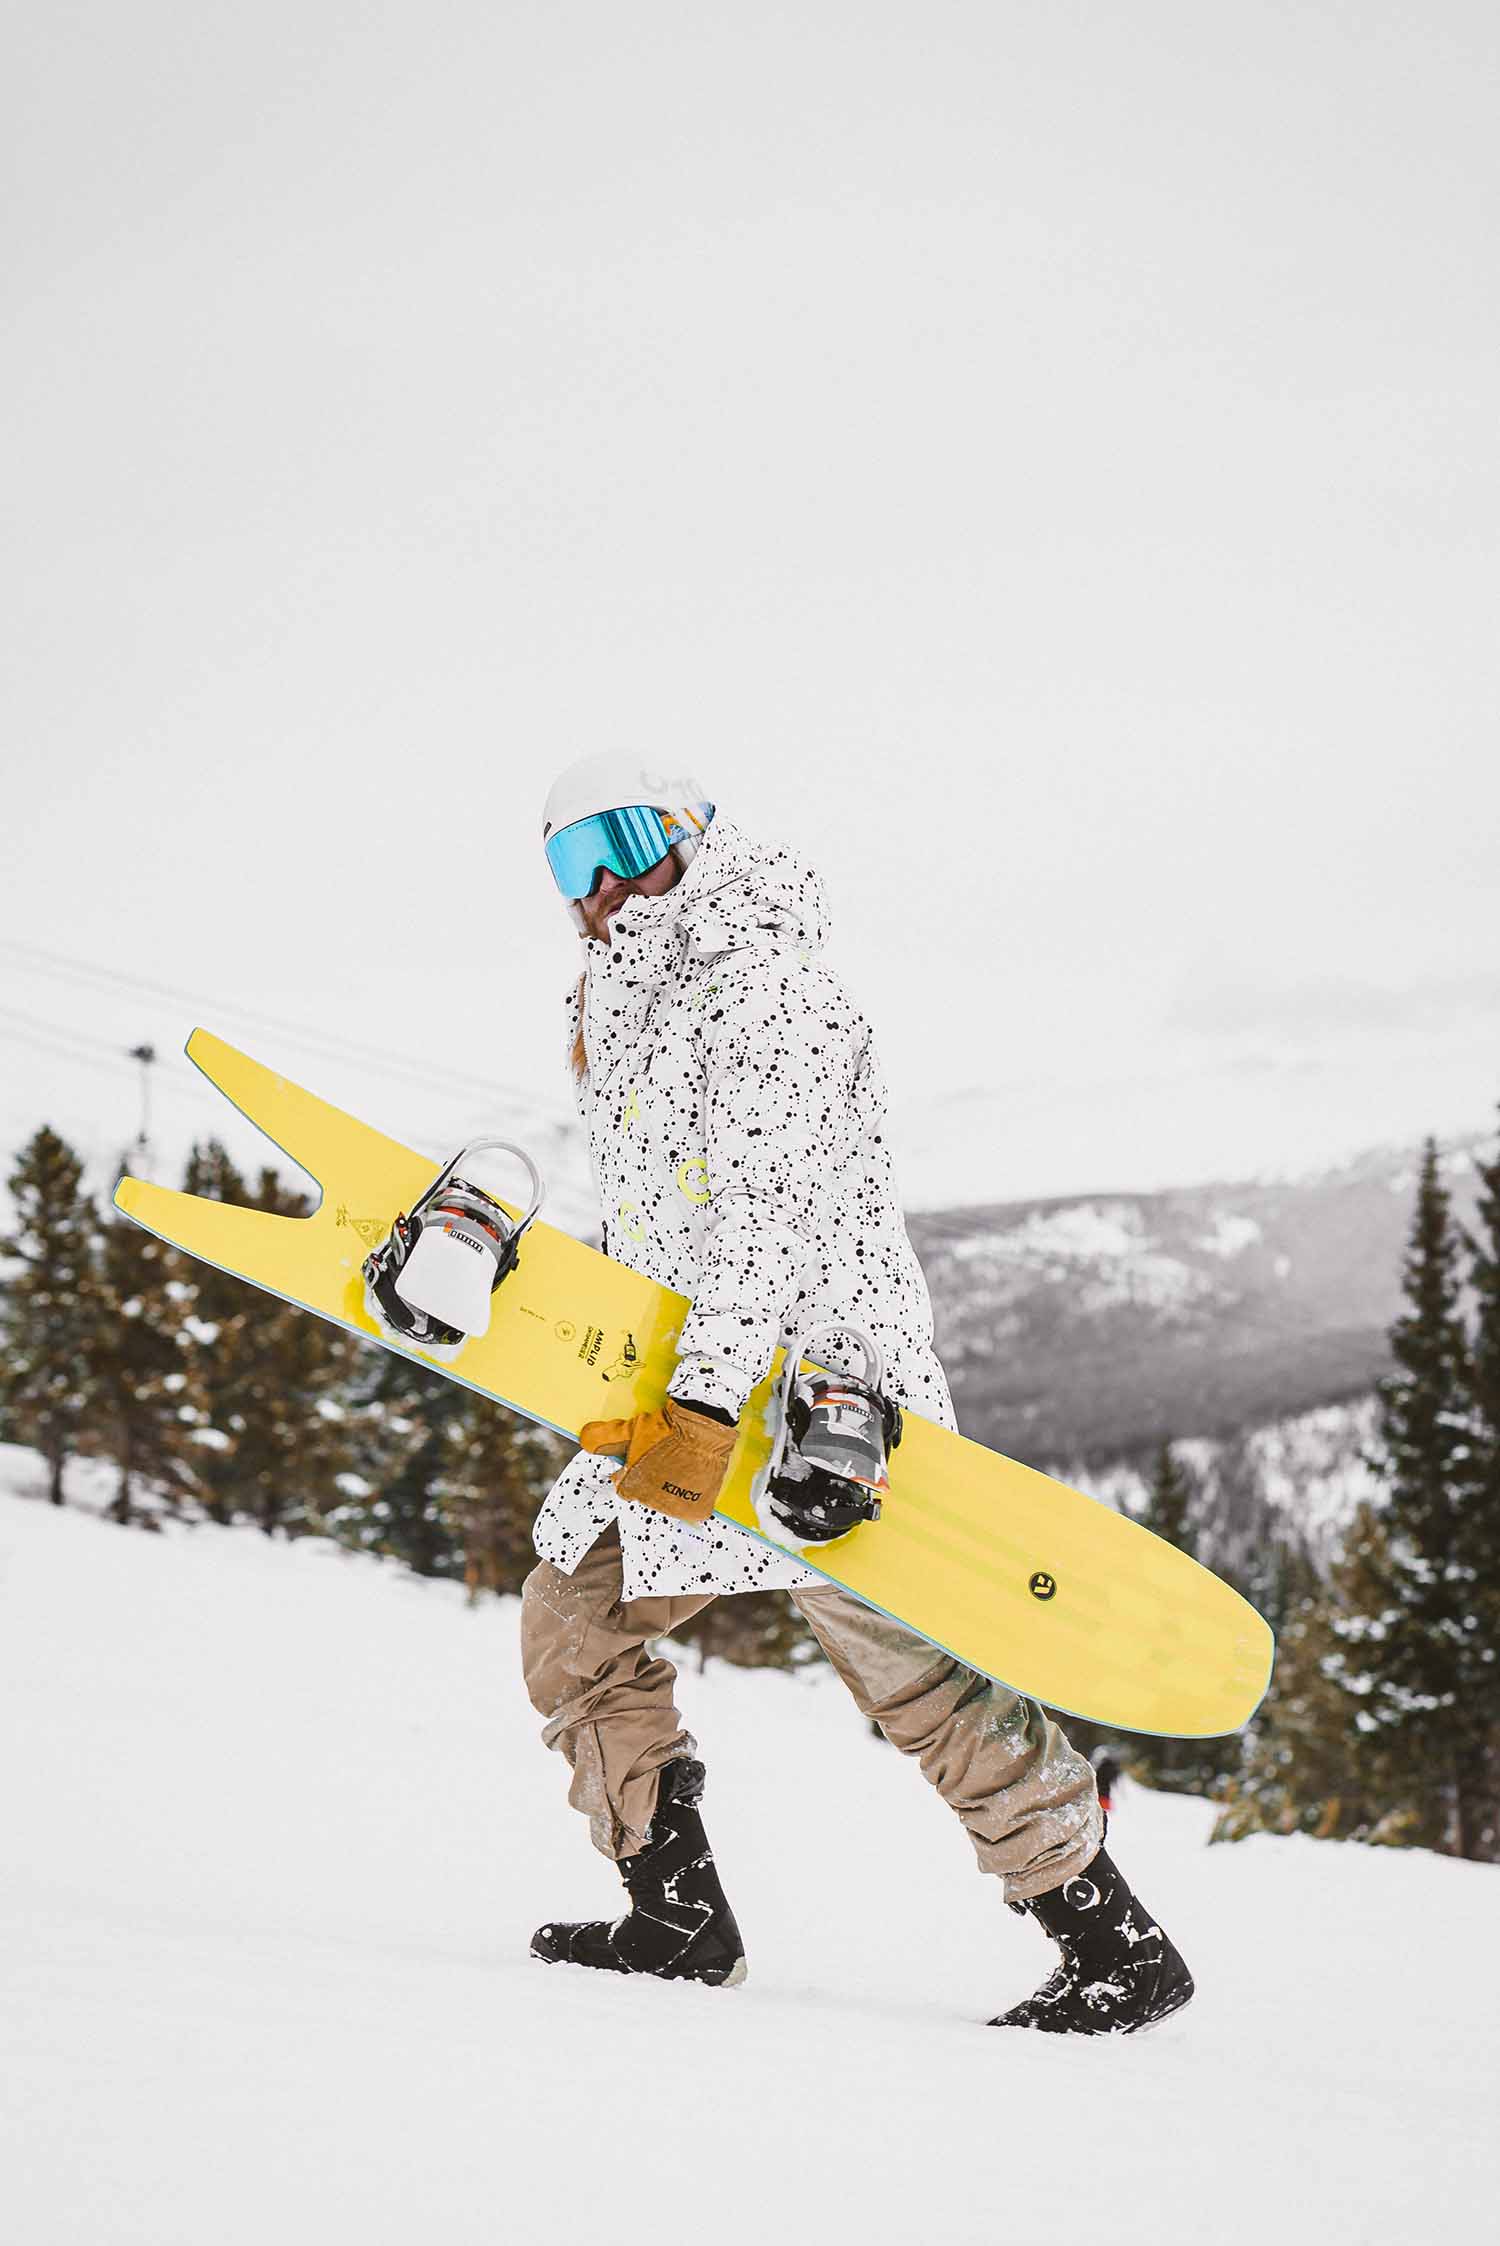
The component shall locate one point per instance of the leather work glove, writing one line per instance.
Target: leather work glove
(675, 1458)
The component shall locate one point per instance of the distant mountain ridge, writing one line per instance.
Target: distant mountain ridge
(1094, 1327)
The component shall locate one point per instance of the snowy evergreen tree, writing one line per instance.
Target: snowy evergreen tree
(445, 1480)
(1305, 1767)
(46, 1313)
(145, 1414)
(1170, 1503)
(1479, 1526)
(1484, 1368)
(407, 1424)
(1412, 1649)
(1172, 1499)
(1280, 1578)
(491, 1484)
(754, 1630)
(274, 1437)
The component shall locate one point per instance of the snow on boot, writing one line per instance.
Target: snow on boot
(679, 1925)
(1119, 1973)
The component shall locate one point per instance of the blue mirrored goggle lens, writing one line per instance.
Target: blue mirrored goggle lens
(628, 842)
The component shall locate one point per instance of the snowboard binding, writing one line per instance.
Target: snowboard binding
(834, 1434)
(428, 1286)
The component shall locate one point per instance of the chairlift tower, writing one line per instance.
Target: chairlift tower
(146, 1055)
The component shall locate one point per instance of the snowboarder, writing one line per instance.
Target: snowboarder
(1106, 1777)
(734, 1110)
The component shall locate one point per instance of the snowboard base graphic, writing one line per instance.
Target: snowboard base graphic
(1015, 1574)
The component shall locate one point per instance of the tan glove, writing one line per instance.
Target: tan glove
(675, 1458)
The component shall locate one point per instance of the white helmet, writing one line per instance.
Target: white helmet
(615, 811)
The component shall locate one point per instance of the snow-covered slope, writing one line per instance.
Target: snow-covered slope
(276, 1827)
(1304, 1476)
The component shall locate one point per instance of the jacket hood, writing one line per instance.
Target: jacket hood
(738, 893)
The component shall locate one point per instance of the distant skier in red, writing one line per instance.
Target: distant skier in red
(734, 1108)
(1106, 1778)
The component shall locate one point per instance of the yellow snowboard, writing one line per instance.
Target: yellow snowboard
(1037, 1585)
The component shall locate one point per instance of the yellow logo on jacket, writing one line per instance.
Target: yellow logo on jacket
(692, 1180)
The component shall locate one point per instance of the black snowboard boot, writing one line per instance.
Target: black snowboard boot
(679, 1925)
(1119, 1973)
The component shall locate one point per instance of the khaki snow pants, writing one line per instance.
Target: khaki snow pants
(1024, 1796)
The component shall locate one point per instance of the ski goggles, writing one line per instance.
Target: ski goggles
(627, 843)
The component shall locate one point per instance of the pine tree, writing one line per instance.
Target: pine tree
(1484, 1275)
(1306, 1767)
(1170, 1502)
(753, 1630)
(1172, 1764)
(46, 1386)
(1410, 1652)
(1384, 1718)
(441, 1478)
(1173, 1503)
(407, 1426)
(146, 1402)
(1479, 1527)
(490, 1486)
(274, 1436)
(1280, 1578)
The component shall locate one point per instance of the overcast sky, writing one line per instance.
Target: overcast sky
(1043, 462)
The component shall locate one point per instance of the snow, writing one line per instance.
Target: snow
(1231, 1235)
(1086, 1230)
(277, 1826)
(1099, 1249)
(1318, 1468)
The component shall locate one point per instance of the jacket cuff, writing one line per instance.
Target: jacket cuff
(710, 1380)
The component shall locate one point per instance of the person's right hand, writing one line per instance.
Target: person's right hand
(676, 1457)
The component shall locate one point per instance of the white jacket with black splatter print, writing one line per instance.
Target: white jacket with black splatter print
(735, 1113)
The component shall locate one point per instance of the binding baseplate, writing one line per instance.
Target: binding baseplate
(834, 1434)
(429, 1284)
